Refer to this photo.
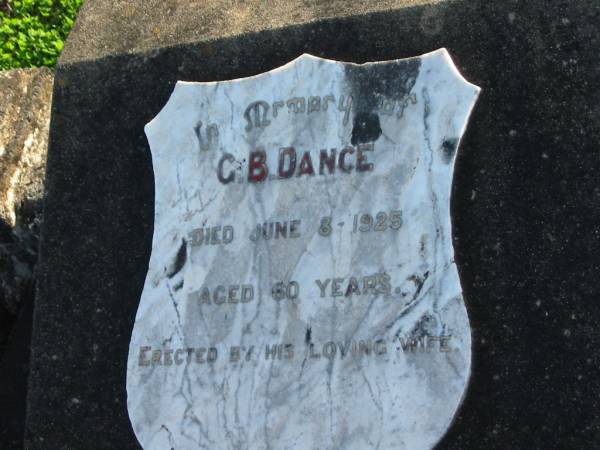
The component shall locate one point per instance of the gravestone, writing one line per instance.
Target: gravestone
(523, 212)
(302, 261)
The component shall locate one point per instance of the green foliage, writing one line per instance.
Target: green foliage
(32, 32)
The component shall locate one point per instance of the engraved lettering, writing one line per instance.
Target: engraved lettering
(352, 287)
(312, 353)
(214, 234)
(346, 168)
(336, 287)
(276, 106)
(287, 155)
(205, 296)
(212, 355)
(219, 295)
(376, 284)
(156, 355)
(385, 106)
(326, 100)
(306, 165)
(227, 157)
(142, 361)
(233, 292)
(294, 228)
(273, 351)
(200, 355)
(314, 104)
(168, 361)
(329, 350)
(431, 340)
(379, 348)
(256, 115)
(275, 230)
(257, 166)
(344, 347)
(211, 138)
(444, 341)
(234, 354)
(247, 293)
(327, 161)
(385, 286)
(296, 105)
(227, 234)
(178, 359)
(280, 230)
(369, 284)
(322, 286)
(288, 351)
(345, 105)
(364, 348)
(412, 98)
(362, 165)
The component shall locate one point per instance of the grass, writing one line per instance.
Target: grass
(32, 32)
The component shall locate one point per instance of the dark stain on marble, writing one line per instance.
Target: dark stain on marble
(369, 83)
(180, 260)
(308, 336)
(366, 128)
(427, 325)
(448, 149)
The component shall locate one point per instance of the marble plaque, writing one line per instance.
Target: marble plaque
(302, 291)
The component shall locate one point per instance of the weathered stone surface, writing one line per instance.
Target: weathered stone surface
(524, 212)
(122, 26)
(24, 122)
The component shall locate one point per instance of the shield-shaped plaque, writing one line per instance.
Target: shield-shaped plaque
(302, 291)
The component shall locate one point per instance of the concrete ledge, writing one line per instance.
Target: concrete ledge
(114, 27)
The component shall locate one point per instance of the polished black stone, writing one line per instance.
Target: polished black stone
(525, 209)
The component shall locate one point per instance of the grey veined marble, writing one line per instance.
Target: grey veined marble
(302, 291)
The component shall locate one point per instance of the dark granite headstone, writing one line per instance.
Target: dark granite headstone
(525, 203)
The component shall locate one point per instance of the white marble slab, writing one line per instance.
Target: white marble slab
(346, 329)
